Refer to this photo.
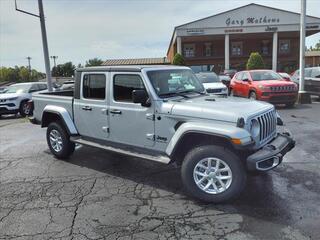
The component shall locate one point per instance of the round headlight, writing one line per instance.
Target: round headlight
(255, 128)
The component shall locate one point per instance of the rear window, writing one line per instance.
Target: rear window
(94, 86)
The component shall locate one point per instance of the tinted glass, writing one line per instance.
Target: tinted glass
(124, 85)
(94, 86)
(264, 75)
(208, 77)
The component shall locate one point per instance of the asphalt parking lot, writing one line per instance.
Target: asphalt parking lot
(98, 195)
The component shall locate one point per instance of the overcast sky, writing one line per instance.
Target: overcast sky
(82, 29)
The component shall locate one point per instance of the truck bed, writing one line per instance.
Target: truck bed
(61, 99)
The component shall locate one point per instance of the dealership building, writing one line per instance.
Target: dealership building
(225, 40)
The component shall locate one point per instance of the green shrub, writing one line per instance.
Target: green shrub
(178, 60)
(255, 61)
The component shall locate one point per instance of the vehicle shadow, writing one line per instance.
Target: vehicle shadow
(259, 200)
(10, 116)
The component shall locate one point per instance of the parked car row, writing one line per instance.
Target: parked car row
(14, 98)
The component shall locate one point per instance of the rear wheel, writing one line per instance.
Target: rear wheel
(58, 141)
(253, 95)
(213, 174)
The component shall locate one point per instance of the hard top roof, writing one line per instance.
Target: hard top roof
(126, 68)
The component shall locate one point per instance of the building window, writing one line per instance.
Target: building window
(265, 48)
(284, 46)
(94, 86)
(207, 49)
(123, 86)
(189, 50)
(236, 48)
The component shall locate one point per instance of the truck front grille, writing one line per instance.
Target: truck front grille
(268, 127)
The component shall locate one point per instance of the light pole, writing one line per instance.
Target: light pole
(29, 65)
(44, 40)
(303, 97)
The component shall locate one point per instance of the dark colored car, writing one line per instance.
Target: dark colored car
(312, 80)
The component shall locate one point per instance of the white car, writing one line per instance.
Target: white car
(212, 83)
(15, 99)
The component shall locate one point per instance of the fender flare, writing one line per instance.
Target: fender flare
(63, 115)
(225, 131)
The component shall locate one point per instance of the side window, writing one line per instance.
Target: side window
(239, 76)
(245, 76)
(42, 86)
(124, 84)
(94, 86)
(315, 73)
(34, 88)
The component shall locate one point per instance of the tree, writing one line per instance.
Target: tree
(64, 70)
(24, 74)
(19, 74)
(94, 62)
(178, 60)
(255, 61)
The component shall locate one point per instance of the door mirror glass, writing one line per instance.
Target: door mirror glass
(141, 96)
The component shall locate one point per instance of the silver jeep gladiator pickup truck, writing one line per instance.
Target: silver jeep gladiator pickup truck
(163, 114)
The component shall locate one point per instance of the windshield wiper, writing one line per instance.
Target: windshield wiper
(192, 91)
(172, 94)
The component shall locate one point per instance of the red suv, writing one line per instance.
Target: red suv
(264, 85)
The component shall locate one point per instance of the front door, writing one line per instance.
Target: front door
(244, 89)
(130, 123)
(90, 108)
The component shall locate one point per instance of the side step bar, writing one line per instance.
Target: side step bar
(158, 158)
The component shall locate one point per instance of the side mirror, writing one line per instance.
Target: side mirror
(245, 80)
(141, 96)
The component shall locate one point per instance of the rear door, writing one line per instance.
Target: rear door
(130, 123)
(90, 108)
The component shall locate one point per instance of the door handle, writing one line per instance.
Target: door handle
(86, 108)
(115, 111)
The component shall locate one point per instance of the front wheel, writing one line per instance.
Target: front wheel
(58, 141)
(213, 174)
(253, 96)
(25, 109)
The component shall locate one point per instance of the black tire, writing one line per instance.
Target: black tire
(24, 108)
(253, 95)
(239, 174)
(290, 105)
(67, 146)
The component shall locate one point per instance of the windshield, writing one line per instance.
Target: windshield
(208, 77)
(174, 81)
(18, 88)
(264, 75)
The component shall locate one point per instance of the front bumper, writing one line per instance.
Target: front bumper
(271, 154)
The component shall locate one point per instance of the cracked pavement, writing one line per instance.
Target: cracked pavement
(101, 195)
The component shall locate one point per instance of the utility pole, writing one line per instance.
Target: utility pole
(303, 97)
(29, 66)
(54, 60)
(44, 40)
